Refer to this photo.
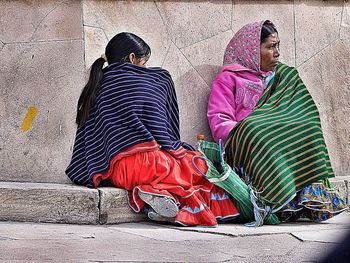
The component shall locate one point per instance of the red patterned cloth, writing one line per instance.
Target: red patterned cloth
(147, 168)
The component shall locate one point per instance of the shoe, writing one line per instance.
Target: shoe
(157, 217)
(164, 206)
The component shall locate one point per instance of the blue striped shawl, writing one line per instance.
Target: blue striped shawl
(133, 105)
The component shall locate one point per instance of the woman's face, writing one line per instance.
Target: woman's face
(269, 52)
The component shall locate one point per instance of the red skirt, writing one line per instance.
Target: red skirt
(147, 168)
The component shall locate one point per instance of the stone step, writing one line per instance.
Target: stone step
(342, 185)
(114, 207)
(64, 203)
(43, 202)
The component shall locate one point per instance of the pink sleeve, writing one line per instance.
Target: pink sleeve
(221, 108)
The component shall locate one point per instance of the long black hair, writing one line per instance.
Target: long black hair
(267, 29)
(118, 49)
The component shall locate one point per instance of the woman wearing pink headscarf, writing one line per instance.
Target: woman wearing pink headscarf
(242, 72)
(271, 128)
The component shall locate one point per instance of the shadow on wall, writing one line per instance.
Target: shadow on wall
(211, 72)
(192, 94)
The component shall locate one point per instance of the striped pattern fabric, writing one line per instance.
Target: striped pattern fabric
(221, 174)
(133, 105)
(280, 148)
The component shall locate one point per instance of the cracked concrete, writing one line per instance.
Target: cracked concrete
(142, 19)
(147, 242)
(44, 20)
(318, 52)
(184, 30)
(324, 15)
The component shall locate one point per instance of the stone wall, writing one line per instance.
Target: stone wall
(47, 46)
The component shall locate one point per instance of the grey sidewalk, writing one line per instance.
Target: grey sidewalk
(147, 242)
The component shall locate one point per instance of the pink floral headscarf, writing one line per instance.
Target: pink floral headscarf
(244, 47)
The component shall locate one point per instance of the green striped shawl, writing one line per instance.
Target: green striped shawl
(280, 146)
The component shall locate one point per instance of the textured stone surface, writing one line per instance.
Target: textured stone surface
(144, 242)
(23, 21)
(48, 76)
(157, 232)
(139, 17)
(340, 184)
(310, 16)
(48, 203)
(338, 222)
(191, 21)
(347, 182)
(332, 95)
(95, 43)
(114, 207)
(348, 185)
(345, 24)
(207, 56)
(326, 236)
(280, 13)
(193, 100)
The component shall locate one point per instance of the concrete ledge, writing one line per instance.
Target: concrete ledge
(42, 202)
(63, 203)
(114, 207)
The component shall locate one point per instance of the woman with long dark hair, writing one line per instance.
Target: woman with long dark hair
(128, 137)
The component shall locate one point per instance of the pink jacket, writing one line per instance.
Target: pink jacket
(235, 92)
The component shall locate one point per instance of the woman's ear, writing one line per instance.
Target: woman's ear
(132, 58)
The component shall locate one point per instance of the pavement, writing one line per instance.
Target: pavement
(151, 242)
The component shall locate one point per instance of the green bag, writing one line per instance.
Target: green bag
(222, 175)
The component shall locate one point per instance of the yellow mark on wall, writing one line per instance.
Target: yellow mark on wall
(28, 119)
